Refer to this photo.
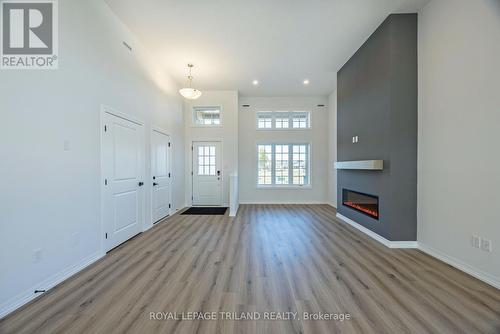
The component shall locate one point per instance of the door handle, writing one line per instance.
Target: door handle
(155, 184)
(141, 184)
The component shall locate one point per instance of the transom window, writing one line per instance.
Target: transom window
(207, 116)
(283, 165)
(283, 120)
(206, 160)
(300, 120)
(265, 120)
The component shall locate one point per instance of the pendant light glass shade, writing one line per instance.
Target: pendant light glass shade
(190, 93)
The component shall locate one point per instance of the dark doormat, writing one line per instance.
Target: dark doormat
(205, 211)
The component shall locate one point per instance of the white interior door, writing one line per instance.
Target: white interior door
(160, 169)
(207, 174)
(123, 161)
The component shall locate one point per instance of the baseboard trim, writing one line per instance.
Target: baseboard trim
(332, 205)
(47, 284)
(373, 235)
(283, 203)
(460, 265)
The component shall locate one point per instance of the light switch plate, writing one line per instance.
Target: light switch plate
(476, 241)
(486, 245)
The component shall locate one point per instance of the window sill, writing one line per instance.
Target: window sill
(306, 187)
(206, 126)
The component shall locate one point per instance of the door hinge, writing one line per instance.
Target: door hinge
(105, 182)
(192, 148)
(192, 198)
(106, 235)
(168, 144)
(168, 174)
(170, 206)
(105, 128)
(191, 172)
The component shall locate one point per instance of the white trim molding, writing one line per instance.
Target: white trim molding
(382, 240)
(47, 284)
(282, 203)
(460, 265)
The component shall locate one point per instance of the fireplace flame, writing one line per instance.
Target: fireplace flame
(362, 208)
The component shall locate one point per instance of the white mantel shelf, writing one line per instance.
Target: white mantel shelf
(361, 165)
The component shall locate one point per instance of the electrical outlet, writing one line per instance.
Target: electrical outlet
(486, 245)
(37, 255)
(476, 241)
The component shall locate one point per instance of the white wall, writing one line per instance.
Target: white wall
(249, 137)
(459, 131)
(332, 148)
(49, 197)
(227, 133)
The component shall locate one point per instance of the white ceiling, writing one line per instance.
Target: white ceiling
(278, 42)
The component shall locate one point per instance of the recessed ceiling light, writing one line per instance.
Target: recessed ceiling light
(306, 82)
(255, 82)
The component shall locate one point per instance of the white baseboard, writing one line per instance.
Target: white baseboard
(333, 205)
(283, 202)
(460, 265)
(28, 295)
(382, 240)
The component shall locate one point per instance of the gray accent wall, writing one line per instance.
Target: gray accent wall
(377, 101)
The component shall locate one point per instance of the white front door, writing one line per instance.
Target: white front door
(160, 170)
(123, 161)
(207, 174)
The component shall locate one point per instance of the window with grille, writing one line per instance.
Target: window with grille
(300, 120)
(207, 116)
(283, 164)
(264, 120)
(283, 120)
(300, 157)
(206, 160)
(265, 164)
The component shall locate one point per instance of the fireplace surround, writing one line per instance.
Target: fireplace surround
(377, 99)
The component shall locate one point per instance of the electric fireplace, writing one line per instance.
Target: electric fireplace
(364, 203)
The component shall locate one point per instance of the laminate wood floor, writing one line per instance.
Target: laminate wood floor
(270, 258)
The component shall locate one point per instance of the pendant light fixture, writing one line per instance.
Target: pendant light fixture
(190, 93)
